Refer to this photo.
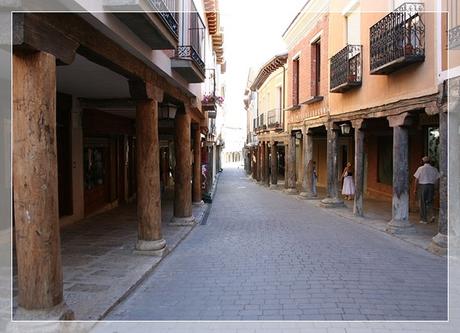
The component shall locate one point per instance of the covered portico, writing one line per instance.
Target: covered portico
(92, 147)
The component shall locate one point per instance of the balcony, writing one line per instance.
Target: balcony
(188, 60)
(346, 69)
(273, 119)
(397, 40)
(154, 21)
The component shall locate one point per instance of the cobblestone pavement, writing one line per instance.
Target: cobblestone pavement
(263, 255)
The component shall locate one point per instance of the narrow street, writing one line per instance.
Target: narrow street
(265, 255)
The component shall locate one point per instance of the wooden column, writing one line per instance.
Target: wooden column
(182, 188)
(358, 125)
(291, 181)
(150, 239)
(196, 195)
(332, 200)
(259, 162)
(36, 218)
(266, 164)
(307, 181)
(439, 242)
(400, 207)
(274, 165)
(286, 164)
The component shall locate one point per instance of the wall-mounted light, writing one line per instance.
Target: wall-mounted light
(167, 111)
(345, 128)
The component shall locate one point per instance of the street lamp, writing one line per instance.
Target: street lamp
(167, 111)
(345, 128)
(298, 135)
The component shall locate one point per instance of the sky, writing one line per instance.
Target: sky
(252, 35)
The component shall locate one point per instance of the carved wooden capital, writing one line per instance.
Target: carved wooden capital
(432, 108)
(401, 120)
(358, 124)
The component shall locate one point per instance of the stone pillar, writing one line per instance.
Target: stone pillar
(439, 242)
(400, 207)
(182, 187)
(358, 125)
(150, 240)
(36, 217)
(291, 166)
(332, 200)
(266, 164)
(307, 181)
(196, 195)
(274, 165)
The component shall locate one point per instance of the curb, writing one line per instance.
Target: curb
(201, 220)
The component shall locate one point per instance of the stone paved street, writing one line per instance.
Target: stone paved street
(264, 255)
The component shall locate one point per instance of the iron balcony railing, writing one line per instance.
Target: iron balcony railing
(188, 52)
(192, 38)
(273, 118)
(346, 68)
(454, 38)
(167, 10)
(398, 39)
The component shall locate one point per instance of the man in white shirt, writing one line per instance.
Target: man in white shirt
(426, 178)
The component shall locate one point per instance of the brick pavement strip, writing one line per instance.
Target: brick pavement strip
(264, 255)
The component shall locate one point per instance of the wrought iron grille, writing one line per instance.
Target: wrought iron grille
(189, 52)
(399, 35)
(273, 118)
(346, 67)
(454, 38)
(261, 121)
(167, 9)
(192, 36)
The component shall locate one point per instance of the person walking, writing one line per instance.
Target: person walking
(348, 188)
(426, 177)
(314, 179)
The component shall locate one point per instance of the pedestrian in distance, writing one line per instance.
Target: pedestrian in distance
(348, 188)
(426, 177)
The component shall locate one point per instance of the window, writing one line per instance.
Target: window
(295, 81)
(353, 27)
(316, 68)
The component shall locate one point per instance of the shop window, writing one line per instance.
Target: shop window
(94, 167)
(433, 145)
(385, 160)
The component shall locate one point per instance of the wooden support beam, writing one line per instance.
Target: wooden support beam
(30, 33)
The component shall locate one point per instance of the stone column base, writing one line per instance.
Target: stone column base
(58, 312)
(290, 191)
(182, 221)
(155, 248)
(331, 203)
(307, 196)
(198, 204)
(400, 227)
(274, 187)
(438, 245)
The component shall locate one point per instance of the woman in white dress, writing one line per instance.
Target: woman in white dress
(348, 188)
